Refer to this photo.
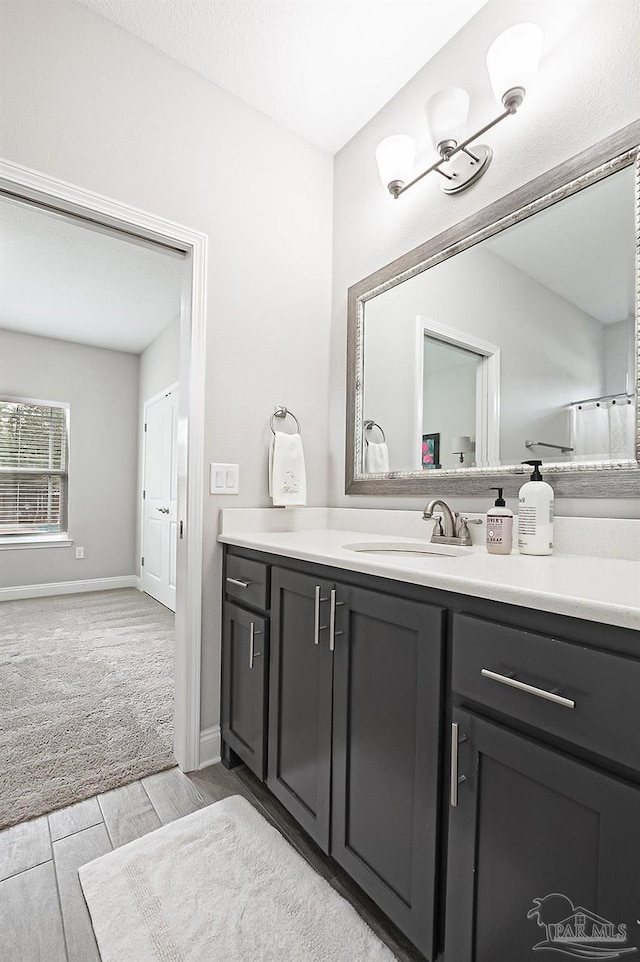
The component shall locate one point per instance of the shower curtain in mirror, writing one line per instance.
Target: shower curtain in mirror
(603, 430)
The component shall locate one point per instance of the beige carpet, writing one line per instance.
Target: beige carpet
(221, 885)
(86, 697)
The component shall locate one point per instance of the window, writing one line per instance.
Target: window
(34, 448)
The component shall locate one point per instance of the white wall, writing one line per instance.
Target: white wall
(587, 89)
(618, 356)
(160, 364)
(102, 388)
(450, 407)
(85, 101)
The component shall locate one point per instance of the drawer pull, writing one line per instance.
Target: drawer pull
(521, 686)
(317, 627)
(238, 583)
(253, 654)
(333, 634)
(316, 617)
(455, 778)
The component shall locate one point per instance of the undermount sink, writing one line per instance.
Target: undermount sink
(408, 548)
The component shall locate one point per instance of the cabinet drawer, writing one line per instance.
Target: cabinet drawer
(247, 581)
(590, 698)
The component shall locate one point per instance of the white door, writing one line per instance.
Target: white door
(160, 499)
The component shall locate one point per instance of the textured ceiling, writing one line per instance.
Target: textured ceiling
(322, 68)
(61, 279)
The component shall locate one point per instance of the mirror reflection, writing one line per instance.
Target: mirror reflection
(522, 346)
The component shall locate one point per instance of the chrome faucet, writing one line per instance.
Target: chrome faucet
(447, 530)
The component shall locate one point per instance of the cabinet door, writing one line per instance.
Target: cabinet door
(386, 733)
(245, 651)
(299, 771)
(538, 844)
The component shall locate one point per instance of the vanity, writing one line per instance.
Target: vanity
(461, 736)
(461, 731)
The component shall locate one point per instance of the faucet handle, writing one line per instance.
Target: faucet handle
(463, 532)
(437, 529)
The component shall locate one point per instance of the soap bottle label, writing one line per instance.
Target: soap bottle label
(495, 530)
(527, 520)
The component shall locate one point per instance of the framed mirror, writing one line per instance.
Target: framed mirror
(512, 336)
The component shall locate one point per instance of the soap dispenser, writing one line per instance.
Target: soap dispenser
(535, 514)
(499, 526)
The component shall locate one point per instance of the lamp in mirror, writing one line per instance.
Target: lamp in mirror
(461, 445)
(512, 62)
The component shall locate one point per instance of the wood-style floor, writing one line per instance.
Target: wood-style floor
(43, 916)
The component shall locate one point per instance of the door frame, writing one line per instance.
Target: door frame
(30, 186)
(487, 388)
(141, 483)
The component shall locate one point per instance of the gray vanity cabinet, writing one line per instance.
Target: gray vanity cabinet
(453, 836)
(386, 734)
(245, 662)
(301, 671)
(246, 653)
(527, 819)
(532, 823)
(354, 732)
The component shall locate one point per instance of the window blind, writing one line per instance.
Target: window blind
(33, 467)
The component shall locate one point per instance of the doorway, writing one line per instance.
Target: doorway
(30, 187)
(457, 396)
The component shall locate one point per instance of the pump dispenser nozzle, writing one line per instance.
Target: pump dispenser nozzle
(500, 502)
(536, 476)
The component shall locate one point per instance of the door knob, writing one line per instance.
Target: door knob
(163, 510)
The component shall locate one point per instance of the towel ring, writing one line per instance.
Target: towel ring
(282, 412)
(370, 425)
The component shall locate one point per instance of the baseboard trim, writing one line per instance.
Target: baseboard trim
(210, 746)
(68, 587)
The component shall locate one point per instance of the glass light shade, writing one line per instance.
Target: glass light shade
(447, 113)
(513, 57)
(396, 156)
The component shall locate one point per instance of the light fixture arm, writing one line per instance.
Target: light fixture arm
(511, 106)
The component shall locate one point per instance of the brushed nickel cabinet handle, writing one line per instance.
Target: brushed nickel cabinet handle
(521, 686)
(456, 779)
(253, 654)
(317, 627)
(333, 634)
(316, 617)
(238, 583)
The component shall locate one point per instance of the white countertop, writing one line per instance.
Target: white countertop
(605, 590)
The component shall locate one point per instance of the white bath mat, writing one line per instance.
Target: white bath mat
(220, 885)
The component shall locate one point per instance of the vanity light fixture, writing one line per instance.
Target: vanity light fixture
(512, 63)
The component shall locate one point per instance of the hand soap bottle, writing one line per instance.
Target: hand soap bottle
(499, 526)
(535, 514)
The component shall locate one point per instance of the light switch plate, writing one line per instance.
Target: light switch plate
(224, 479)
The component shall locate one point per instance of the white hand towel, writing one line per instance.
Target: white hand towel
(287, 474)
(376, 458)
